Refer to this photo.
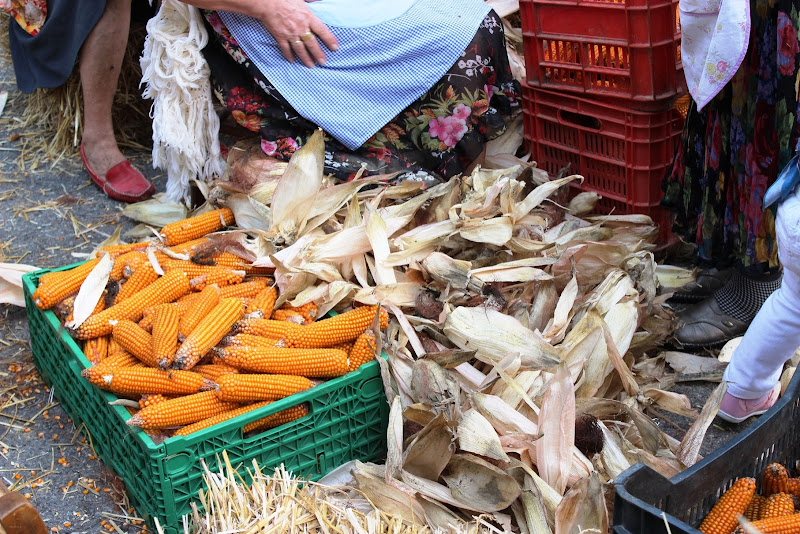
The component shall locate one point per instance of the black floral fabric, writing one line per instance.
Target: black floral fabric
(436, 137)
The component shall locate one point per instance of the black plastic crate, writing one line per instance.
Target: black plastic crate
(642, 495)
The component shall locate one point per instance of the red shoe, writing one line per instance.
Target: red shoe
(121, 182)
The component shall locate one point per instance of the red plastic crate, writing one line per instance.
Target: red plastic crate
(623, 154)
(612, 48)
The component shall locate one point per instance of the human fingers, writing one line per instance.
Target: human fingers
(318, 28)
(286, 50)
(299, 48)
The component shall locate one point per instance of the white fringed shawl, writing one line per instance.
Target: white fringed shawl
(177, 79)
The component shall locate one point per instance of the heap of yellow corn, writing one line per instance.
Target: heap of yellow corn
(203, 342)
(772, 511)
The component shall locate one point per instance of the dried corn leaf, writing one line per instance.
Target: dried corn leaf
(689, 449)
(389, 499)
(476, 435)
(157, 211)
(11, 283)
(431, 449)
(557, 428)
(475, 481)
(494, 335)
(583, 508)
(91, 291)
(248, 212)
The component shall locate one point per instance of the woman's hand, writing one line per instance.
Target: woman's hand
(298, 31)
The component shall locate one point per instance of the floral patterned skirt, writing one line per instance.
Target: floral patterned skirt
(436, 137)
(732, 150)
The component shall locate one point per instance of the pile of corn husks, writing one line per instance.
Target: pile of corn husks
(522, 363)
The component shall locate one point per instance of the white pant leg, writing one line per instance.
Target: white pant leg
(774, 334)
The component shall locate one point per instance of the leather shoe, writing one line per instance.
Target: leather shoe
(121, 182)
(704, 285)
(706, 326)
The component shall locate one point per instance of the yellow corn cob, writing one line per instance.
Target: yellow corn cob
(278, 419)
(113, 346)
(307, 310)
(142, 380)
(135, 340)
(214, 371)
(776, 479)
(224, 416)
(248, 289)
(364, 350)
(165, 334)
(777, 505)
(149, 399)
(64, 308)
(56, 286)
(182, 305)
(208, 333)
(221, 276)
(266, 328)
(96, 350)
(338, 329)
(793, 486)
(166, 289)
(197, 226)
(130, 261)
(347, 346)
(251, 340)
(117, 360)
(100, 306)
(290, 316)
(119, 250)
(260, 387)
(221, 259)
(315, 363)
(206, 301)
(263, 302)
(189, 247)
(724, 516)
(181, 411)
(787, 524)
(143, 276)
(755, 509)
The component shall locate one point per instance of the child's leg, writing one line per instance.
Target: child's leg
(774, 334)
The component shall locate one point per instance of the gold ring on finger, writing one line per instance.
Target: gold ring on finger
(307, 36)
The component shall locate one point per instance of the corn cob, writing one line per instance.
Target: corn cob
(189, 247)
(142, 380)
(196, 227)
(214, 371)
(182, 305)
(221, 276)
(206, 301)
(181, 411)
(150, 399)
(338, 329)
(136, 341)
(259, 387)
(266, 328)
(65, 307)
(787, 524)
(289, 316)
(96, 350)
(247, 289)
(776, 479)
(56, 286)
(250, 340)
(263, 302)
(307, 310)
(724, 515)
(316, 363)
(778, 504)
(224, 416)
(208, 333)
(113, 346)
(277, 419)
(117, 360)
(165, 334)
(793, 486)
(143, 276)
(364, 350)
(347, 346)
(166, 289)
(755, 509)
(128, 261)
(100, 306)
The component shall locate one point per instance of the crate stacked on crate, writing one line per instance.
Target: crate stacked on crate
(602, 80)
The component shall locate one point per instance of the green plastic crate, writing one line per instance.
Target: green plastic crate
(347, 420)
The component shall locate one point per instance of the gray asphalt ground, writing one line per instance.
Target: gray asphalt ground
(51, 213)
